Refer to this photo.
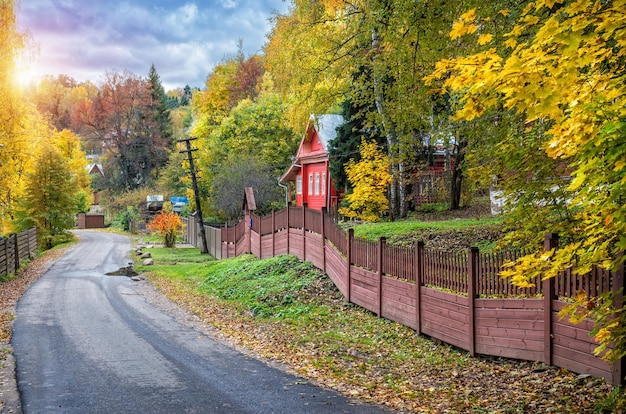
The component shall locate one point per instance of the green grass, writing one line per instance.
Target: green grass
(288, 311)
(373, 231)
(262, 287)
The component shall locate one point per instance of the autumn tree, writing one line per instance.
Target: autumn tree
(370, 179)
(68, 145)
(345, 146)
(13, 143)
(121, 117)
(375, 53)
(254, 132)
(564, 74)
(49, 201)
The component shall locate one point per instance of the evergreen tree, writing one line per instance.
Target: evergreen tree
(186, 98)
(345, 146)
(159, 106)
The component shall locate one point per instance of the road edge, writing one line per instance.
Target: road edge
(11, 403)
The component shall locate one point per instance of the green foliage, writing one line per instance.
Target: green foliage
(373, 231)
(50, 199)
(345, 146)
(126, 218)
(159, 106)
(432, 207)
(615, 402)
(266, 288)
(118, 204)
(252, 147)
(82, 202)
(175, 176)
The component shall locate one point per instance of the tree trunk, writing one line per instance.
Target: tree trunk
(457, 176)
(390, 130)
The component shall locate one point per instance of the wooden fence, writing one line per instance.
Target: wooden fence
(455, 297)
(16, 250)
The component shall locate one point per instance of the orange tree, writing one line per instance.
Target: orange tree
(167, 224)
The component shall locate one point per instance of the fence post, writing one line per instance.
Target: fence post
(349, 259)
(288, 229)
(304, 206)
(16, 249)
(550, 242)
(273, 234)
(381, 246)
(619, 366)
(419, 276)
(4, 271)
(323, 216)
(471, 295)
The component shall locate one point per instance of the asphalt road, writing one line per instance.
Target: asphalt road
(85, 342)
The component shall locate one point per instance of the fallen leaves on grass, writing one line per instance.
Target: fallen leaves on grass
(344, 347)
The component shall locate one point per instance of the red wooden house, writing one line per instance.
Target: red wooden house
(309, 171)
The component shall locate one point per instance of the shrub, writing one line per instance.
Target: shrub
(167, 224)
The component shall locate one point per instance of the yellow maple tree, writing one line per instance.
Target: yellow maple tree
(563, 72)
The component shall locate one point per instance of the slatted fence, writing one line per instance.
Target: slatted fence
(17, 249)
(456, 297)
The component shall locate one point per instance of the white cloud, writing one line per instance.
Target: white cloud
(184, 41)
(228, 4)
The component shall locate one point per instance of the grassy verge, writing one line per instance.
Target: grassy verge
(452, 234)
(287, 311)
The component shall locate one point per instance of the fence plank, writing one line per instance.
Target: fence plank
(438, 292)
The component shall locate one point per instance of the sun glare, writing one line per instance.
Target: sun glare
(26, 71)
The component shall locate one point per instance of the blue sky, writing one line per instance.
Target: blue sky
(184, 39)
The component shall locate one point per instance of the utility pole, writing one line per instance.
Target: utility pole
(194, 181)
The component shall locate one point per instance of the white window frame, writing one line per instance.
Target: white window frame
(299, 184)
(317, 183)
(310, 184)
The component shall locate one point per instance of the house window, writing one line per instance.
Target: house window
(317, 183)
(299, 185)
(324, 183)
(310, 184)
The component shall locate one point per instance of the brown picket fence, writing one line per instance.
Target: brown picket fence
(458, 298)
(16, 249)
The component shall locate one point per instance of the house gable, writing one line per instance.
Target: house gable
(309, 169)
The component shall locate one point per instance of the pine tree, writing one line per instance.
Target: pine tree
(159, 105)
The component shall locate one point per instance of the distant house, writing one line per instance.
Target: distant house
(431, 183)
(309, 171)
(97, 171)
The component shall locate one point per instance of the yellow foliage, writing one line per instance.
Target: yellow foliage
(564, 72)
(370, 178)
